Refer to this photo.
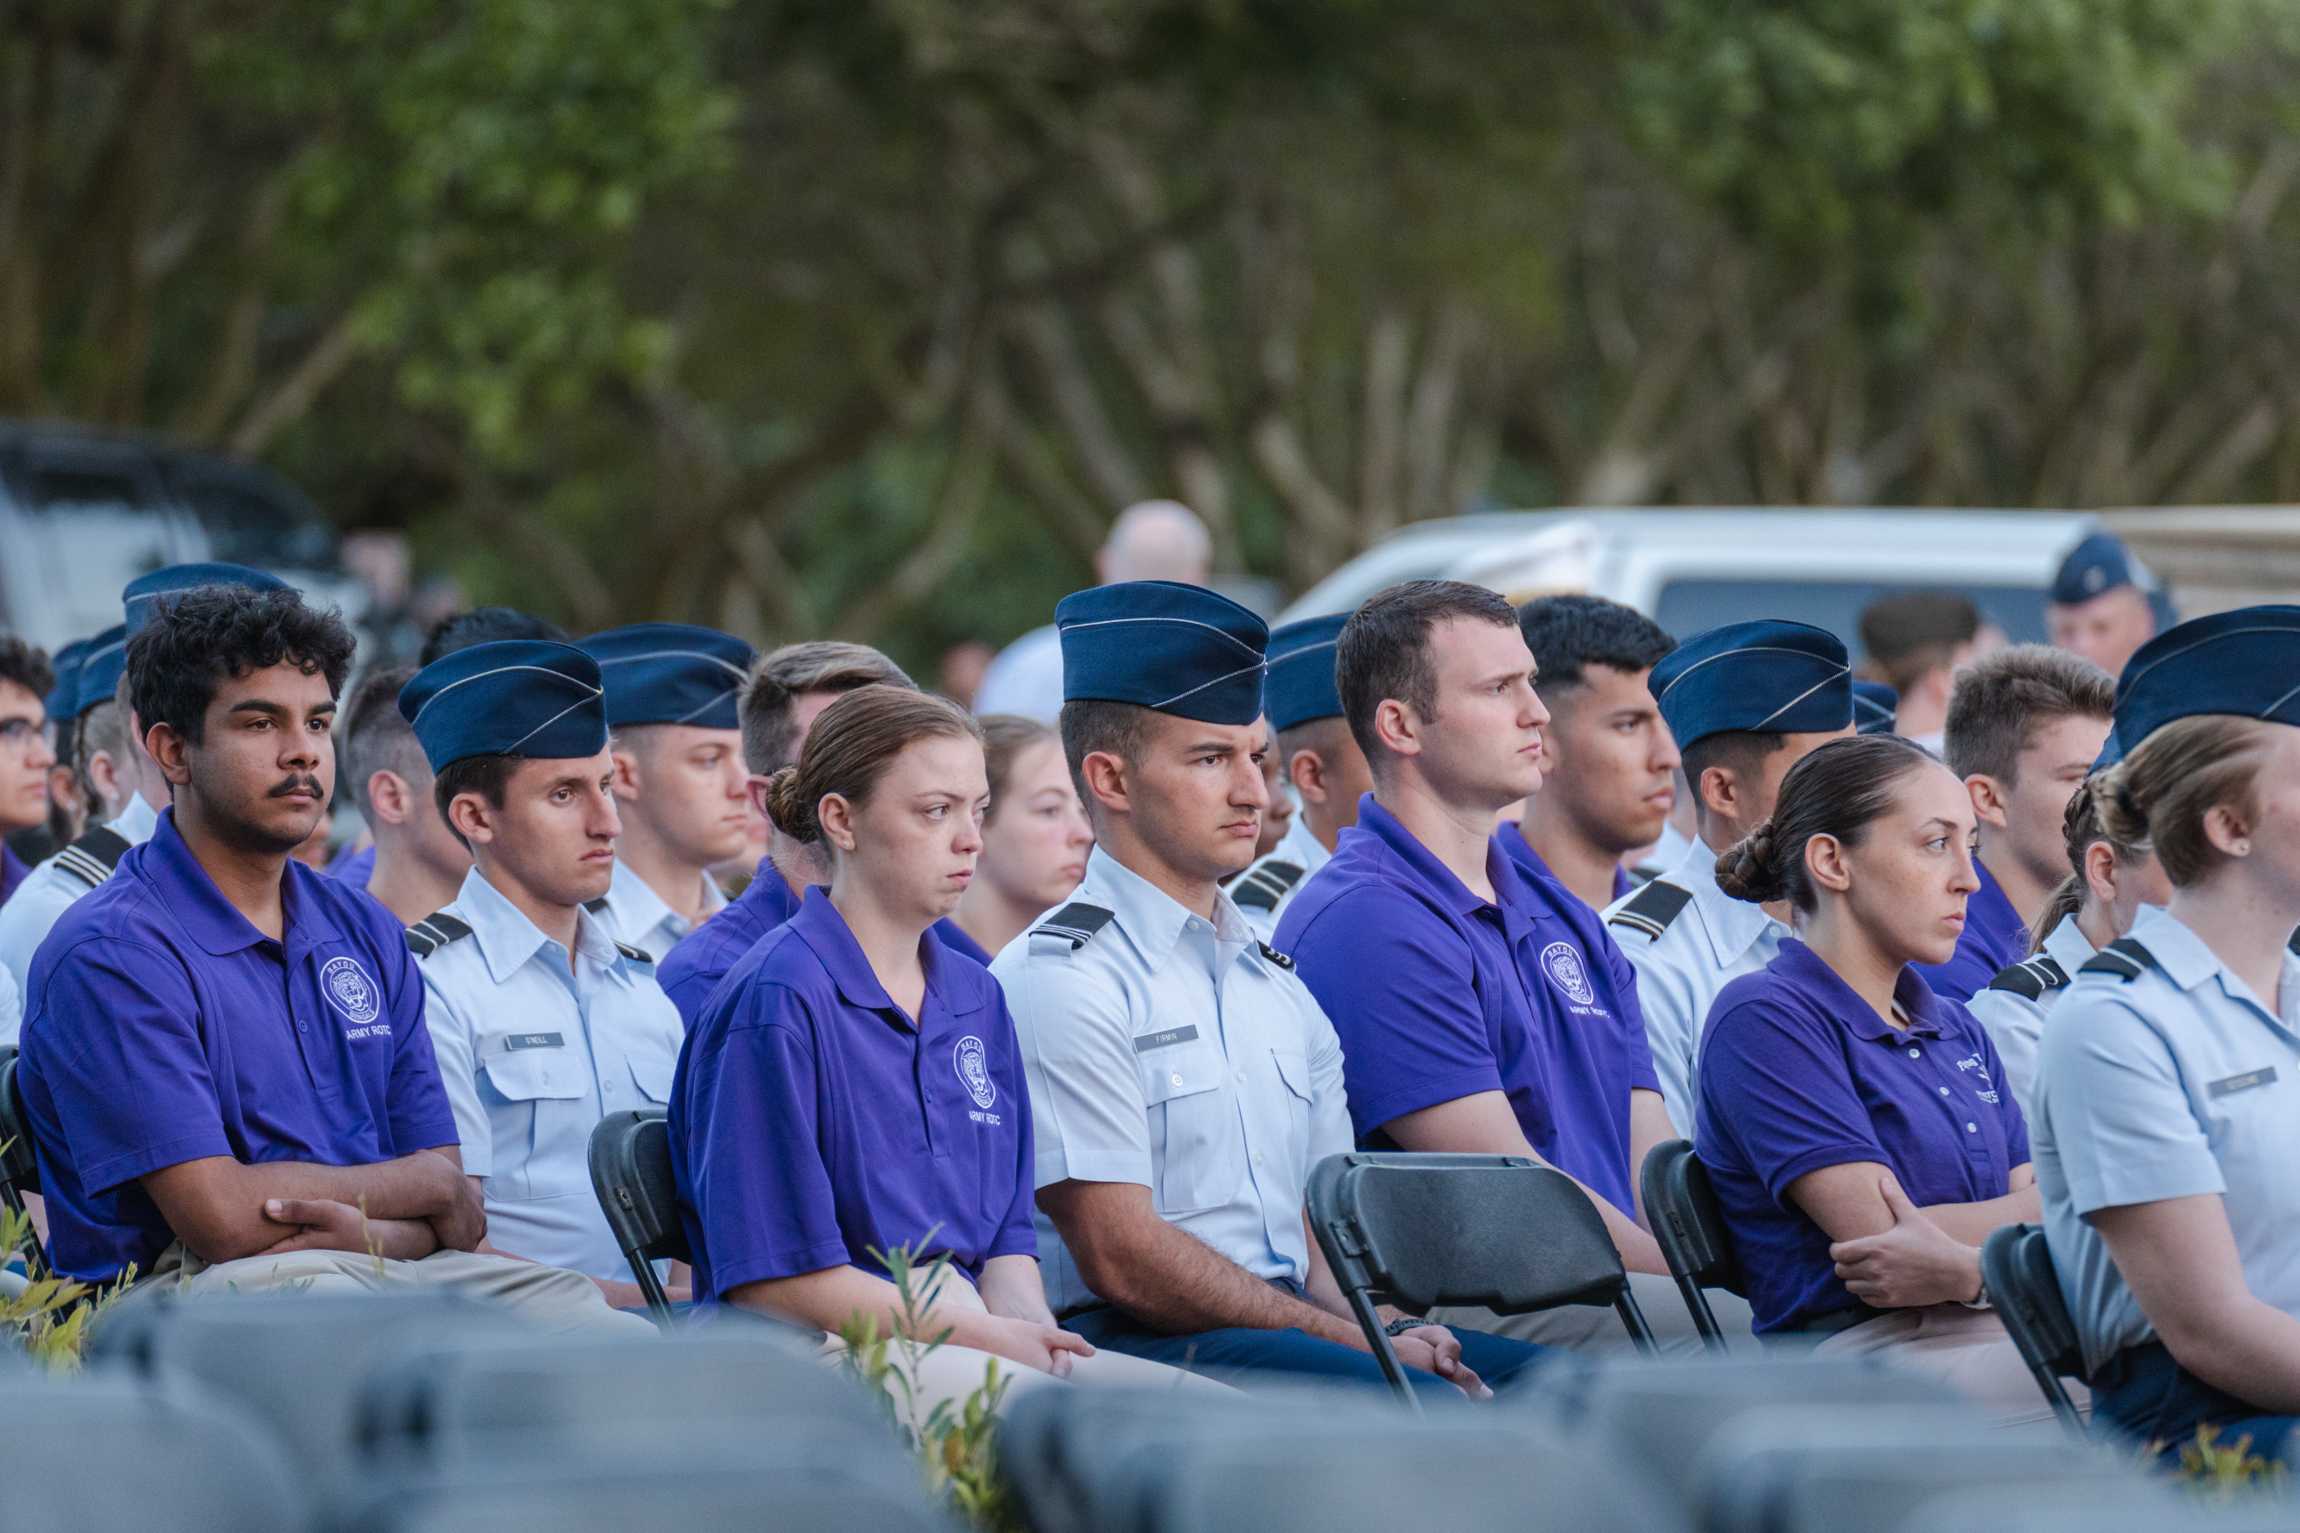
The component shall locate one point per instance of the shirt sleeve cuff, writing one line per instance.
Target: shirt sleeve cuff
(1429, 1091)
(1821, 1158)
(767, 1266)
(436, 1134)
(2125, 1185)
(111, 1175)
(1058, 1164)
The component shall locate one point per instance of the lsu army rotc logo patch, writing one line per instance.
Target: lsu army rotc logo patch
(973, 1064)
(1561, 961)
(350, 991)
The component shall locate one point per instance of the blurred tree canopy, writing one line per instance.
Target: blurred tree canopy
(865, 316)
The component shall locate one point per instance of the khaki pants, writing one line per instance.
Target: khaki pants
(1596, 1329)
(1966, 1349)
(553, 1297)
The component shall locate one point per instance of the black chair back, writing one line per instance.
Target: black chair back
(1690, 1229)
(2016, 1264)
(19, 1166)
(1499, 1231)
(630, 1156)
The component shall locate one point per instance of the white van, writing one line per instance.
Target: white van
(1694, 569)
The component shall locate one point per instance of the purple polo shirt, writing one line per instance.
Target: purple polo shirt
(161, 1027)
(700, 959)
(357, 868)
(12, 871)
(1995, 938)
(1511, 838)
(1438, 995)
(812, 1121)
(1799, 1074)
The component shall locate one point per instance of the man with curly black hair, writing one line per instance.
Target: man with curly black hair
(25, 755)
(225, 1068)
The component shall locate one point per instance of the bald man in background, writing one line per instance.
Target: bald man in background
(1155, 540)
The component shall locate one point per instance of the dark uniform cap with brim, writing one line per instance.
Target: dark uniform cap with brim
(142, 595)
(1158, 644)
(2098, 564)
(516, 697)
(670, 673)
(1766, 677)
(99, 676)
(64, 696)
(2244, 663)
(1301, 684)
(1876, 708)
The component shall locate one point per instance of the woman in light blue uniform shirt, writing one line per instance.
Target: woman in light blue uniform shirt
(2168, 1092)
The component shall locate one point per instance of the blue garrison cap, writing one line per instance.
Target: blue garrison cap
(1158, 644)
(142, 595)
(517, 697)
(1876, 708)
(1770, 677)
(670, 673)
(100, 667)
(1301, 686)
(2245, 662)
(2099, 563)
(66, 692)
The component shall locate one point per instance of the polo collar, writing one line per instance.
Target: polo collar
(1514, 894)
(1732, 926)
(1153, 920)
(827, 935)
(1926, 1011)
(213, 921)
(508, 940)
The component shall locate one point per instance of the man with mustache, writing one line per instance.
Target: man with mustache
(225, 1068)
(543, 1023)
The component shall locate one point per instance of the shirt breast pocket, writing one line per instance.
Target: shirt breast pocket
(1194, 1140)
(1294, 1074)
(536, 1088)
(651, 1073)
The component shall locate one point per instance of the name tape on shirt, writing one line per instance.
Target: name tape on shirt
(1184, 1034)
(2264, 1076)
(535, 1041)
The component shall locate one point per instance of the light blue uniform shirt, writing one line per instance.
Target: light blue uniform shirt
(51, 889)
(2014, 1021)
(1177, 1054)
(1711, 940)
(1269, 885)
(11, 1007)
(638, 917)
(2176, 1083)
(533, 1055)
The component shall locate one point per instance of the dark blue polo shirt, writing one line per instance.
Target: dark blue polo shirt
(1799, 1074)
(161, 1027)
(812, 1121)
(1439, 995)
(699, 960)
(1995, 938)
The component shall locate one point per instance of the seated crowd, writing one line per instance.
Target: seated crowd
(1077, 1006)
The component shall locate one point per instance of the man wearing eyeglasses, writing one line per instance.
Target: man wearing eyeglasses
(25, 754)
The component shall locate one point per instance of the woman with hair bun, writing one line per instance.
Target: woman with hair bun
(2110, 880)
(1855, 1124)
(2168, 1088)
(853, 1085)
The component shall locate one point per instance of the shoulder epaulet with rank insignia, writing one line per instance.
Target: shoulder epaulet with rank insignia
(597, 907)
(2123, 958)
(1265, 884)
(1075, 923)
(635, 954)
(434, 932)
(1650, 910)
(2032, 979)
(1282, 960)
(2294, 944)
(92, 858)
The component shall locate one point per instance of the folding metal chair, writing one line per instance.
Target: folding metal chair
(1690, 1229)
(2016, 1264)
(19, 1166)
(630, 1156)
(1499, 1231)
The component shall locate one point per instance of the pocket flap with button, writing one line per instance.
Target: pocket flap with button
(1294, 1070)
(528, 1067)
(652, 1073)
(1178, 1072)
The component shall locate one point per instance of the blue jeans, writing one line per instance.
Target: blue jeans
(2148, 1397)
(1246, 1358)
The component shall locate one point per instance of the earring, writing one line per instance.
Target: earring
(2243, 848)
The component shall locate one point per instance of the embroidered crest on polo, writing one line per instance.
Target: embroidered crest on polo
(350, 991)
(973, 1064)
(1561, 961)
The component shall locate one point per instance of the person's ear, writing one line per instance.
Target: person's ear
(1398, 727)
(1719, 792)
(2227, 832)
(387, 797)
(626, 781)
(1826, 865)
(1989, 800)
(2100, 872)
(171, 751)
(1107, 780)
(755, 789)
(1306, 770)
(473, 817)
(836, 815)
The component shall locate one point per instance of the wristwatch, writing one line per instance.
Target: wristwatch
(1980, 1298)
(1403, 1324)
